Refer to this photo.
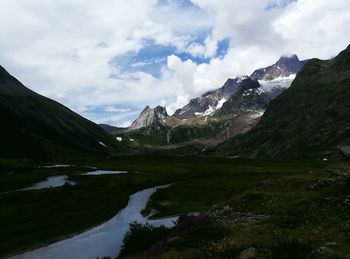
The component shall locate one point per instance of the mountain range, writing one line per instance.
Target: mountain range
(216, 115)
(292, 109)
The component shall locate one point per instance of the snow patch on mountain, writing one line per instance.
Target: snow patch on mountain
(280, 82)
(221, 103)
(102, 144)
(241, 78)
(211, 109)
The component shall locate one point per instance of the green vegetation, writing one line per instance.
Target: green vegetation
(309, 120)
(144, 136)
(180, 134)
(41, 129)
(199, 236)
(34, 217)
(184, 133)
(296, 216)
(282, 191)
(140, 237)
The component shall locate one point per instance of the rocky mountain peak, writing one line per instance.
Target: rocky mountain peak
(210, 101)
(247, 97)
(160, 111)
(147, 108)
(288, 58)
(150, 116)
(289, 63)
(286, 65)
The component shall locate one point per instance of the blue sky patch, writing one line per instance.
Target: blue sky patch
(223, 47)
(273, 4)
(180, 3)
(149, 59)
(152, 57)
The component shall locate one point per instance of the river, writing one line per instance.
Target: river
(105, 239)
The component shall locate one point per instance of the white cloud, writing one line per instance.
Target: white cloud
(260, 35)
(117, 110)
(62, 48)
(315, 29)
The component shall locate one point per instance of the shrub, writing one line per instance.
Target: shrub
(140, 237)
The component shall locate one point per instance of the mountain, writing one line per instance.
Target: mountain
(150, 117)
(209, 102)
(216, 115)
(247, 96)
(109, 128)
(273, 80)
(278, 77)
(36, 127)
(287, 65)
(311, 119)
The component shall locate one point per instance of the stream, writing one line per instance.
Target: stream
(104, 172)
(105, 239)
(50, 182)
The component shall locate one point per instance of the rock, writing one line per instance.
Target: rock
(227, 215)
(287, 65)
(325, 182)
(208, 102)
(248, 253)
(333, 243)
(149, 117)
(323, 250)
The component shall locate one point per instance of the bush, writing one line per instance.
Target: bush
(140, 237)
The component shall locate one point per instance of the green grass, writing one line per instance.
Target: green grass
(201, 193)
(42, 216)
(301, 220)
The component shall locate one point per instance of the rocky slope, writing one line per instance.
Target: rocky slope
(39, 128)
(310, 119)
(209, 102)
(287, 65)
(150, 117)
(247, 96)
(273, 80)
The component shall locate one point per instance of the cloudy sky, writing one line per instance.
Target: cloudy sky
(108, 59)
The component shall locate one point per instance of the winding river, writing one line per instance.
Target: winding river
(105, 239)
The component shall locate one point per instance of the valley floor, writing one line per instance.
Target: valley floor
(249, 206)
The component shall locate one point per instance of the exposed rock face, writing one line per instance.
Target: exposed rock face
(209, 102)
(150, 117)
(217, 115)
(273, 81)
(287, 65)
(246, 97)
